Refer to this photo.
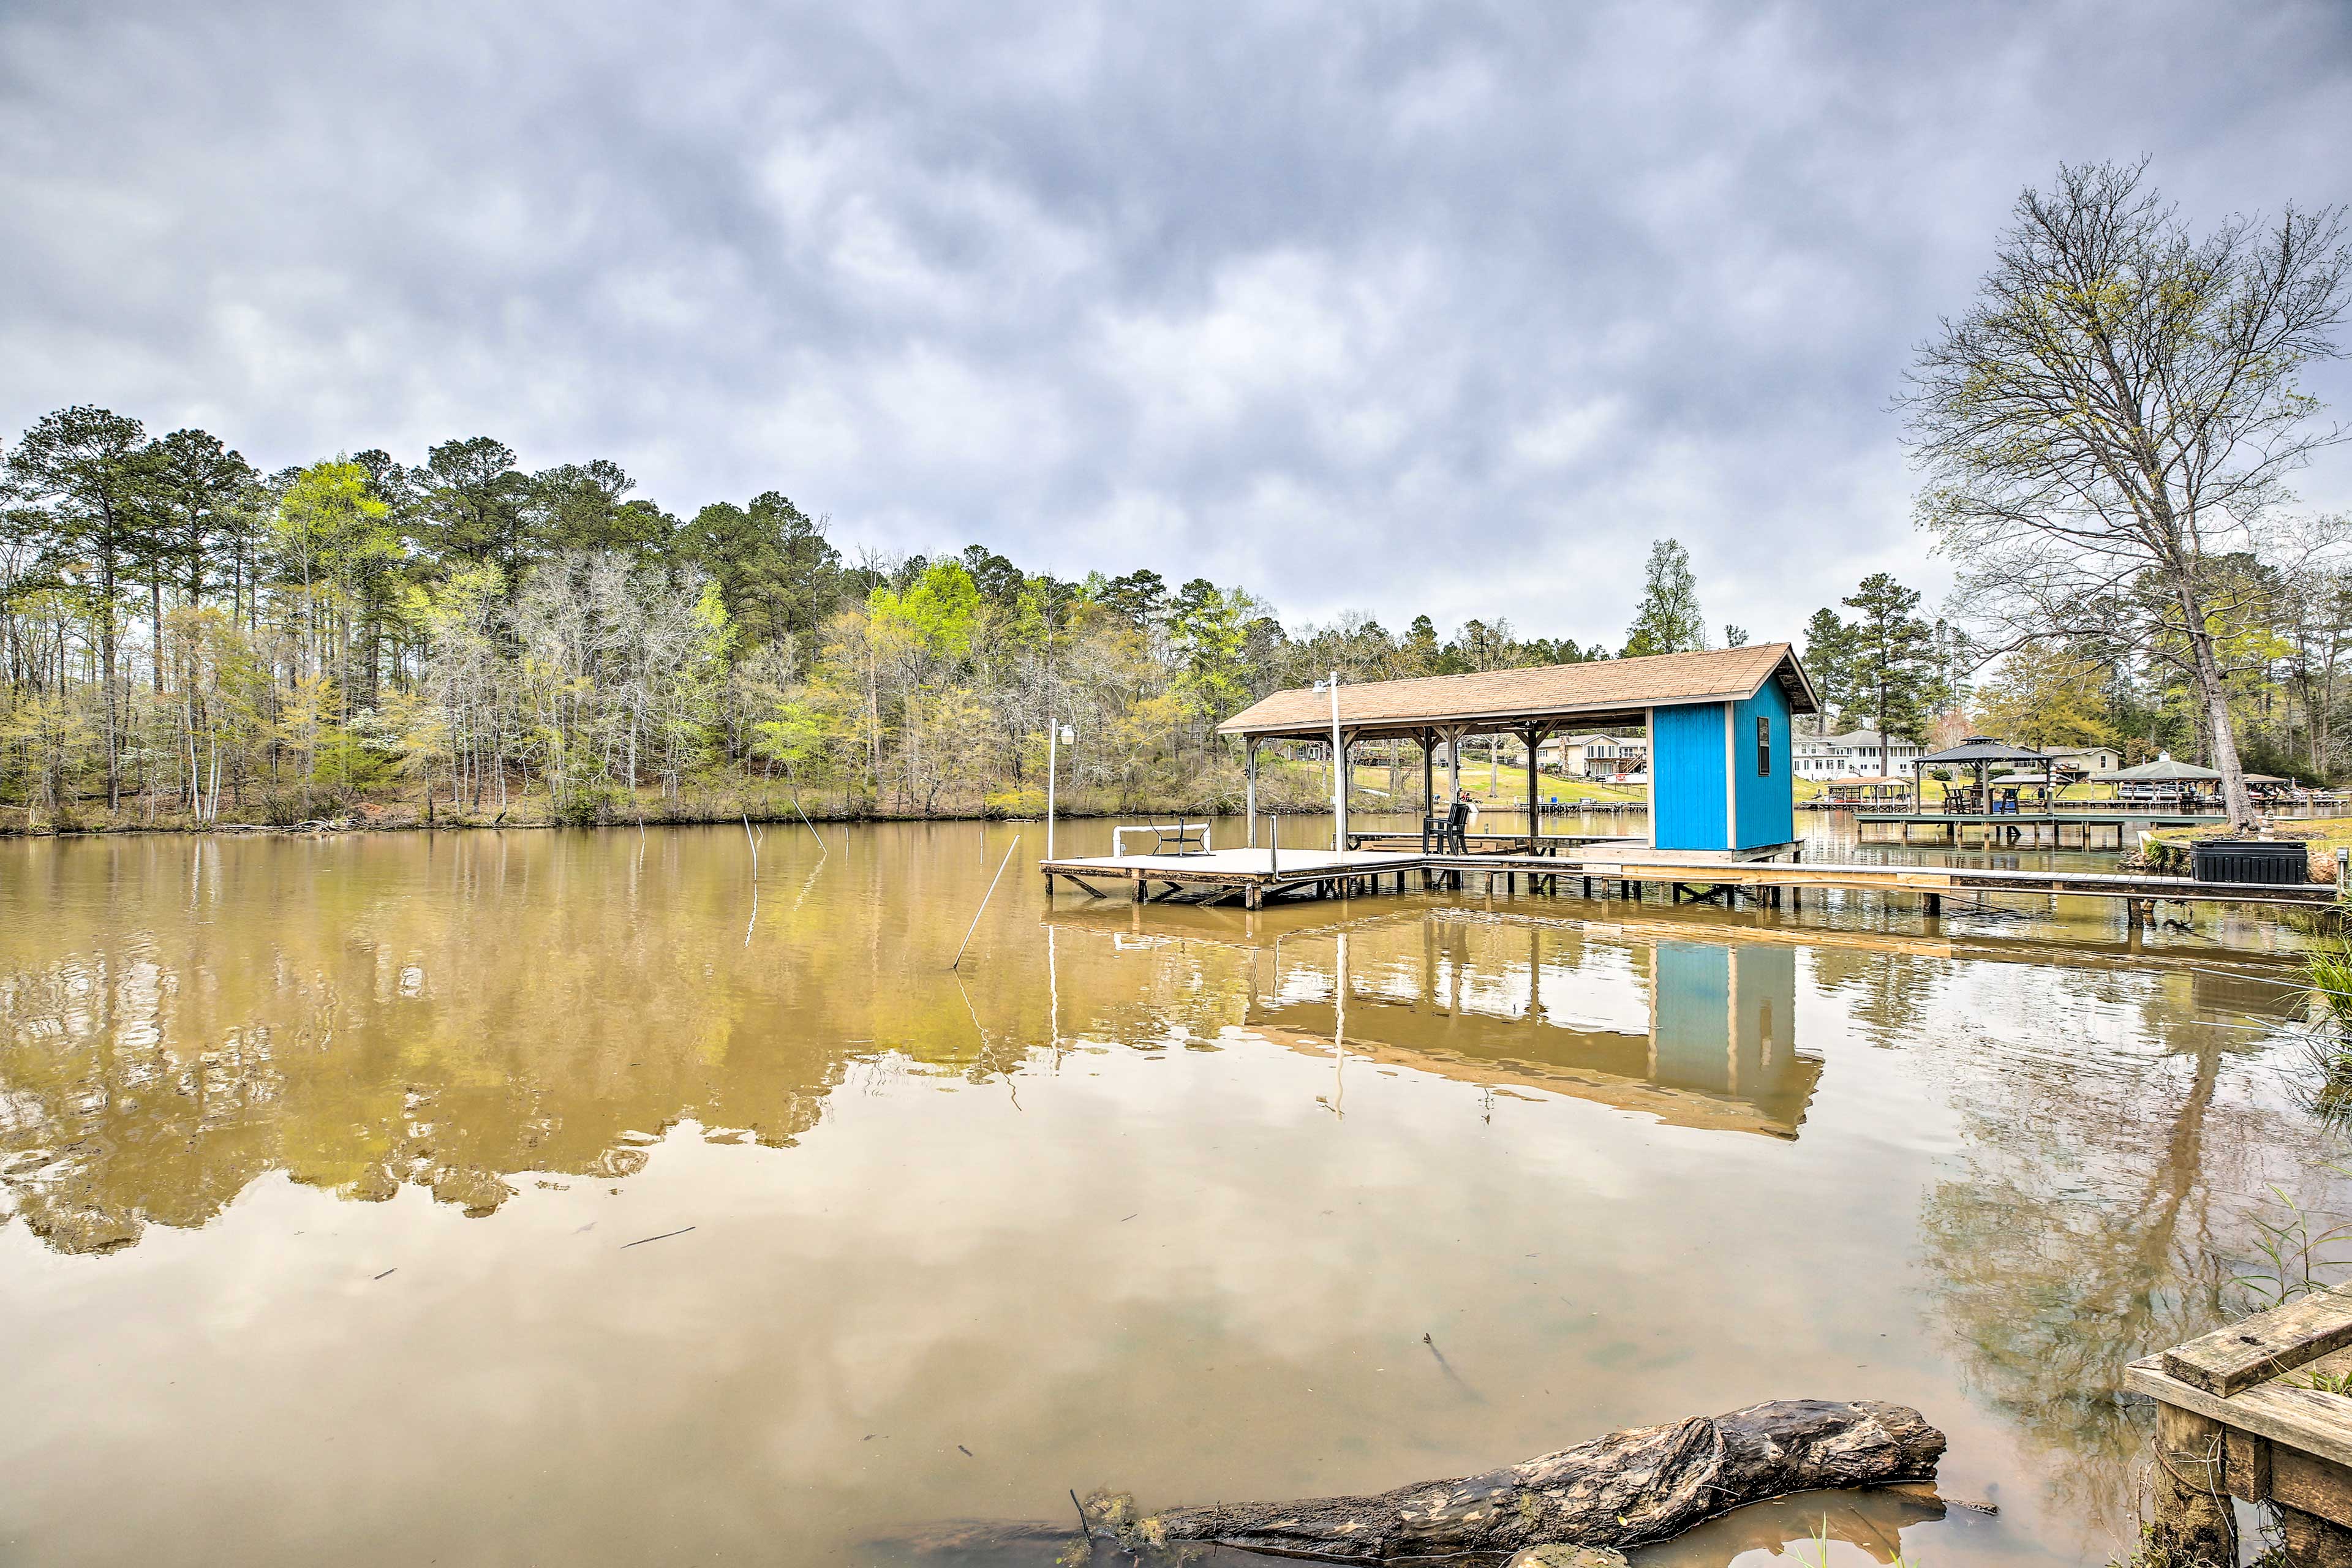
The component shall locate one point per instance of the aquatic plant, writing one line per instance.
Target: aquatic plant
(2297, 1250)
(1820, 1558)
(2324, 1381)
(2327, 1048)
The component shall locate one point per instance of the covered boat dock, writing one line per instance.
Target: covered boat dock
(1717, 723)
(1723, 817)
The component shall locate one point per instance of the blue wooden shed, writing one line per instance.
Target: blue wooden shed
(1722, 778)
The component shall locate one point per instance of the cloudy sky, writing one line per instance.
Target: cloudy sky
(1449, 308)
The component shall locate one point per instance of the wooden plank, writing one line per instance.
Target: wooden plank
(2312, 1485)
(2292, 1417)
(2232, 1359)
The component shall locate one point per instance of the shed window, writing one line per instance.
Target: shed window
(1764, 748)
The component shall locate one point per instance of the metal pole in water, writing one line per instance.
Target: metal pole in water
(983, 902)
(1052, 733)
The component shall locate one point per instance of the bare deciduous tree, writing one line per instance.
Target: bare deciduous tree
(2117, 413)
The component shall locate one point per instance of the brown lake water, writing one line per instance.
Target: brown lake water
(579, 1197)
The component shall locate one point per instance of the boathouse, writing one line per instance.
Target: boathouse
(1722, 752)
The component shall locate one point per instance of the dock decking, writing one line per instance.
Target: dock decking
(1254, 877)
(2114, 825)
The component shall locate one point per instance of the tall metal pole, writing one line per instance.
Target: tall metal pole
(1053, 734)
(1339, 776)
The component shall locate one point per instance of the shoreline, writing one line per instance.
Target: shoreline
(381, 820)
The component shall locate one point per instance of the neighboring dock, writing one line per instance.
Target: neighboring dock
(2090, 827)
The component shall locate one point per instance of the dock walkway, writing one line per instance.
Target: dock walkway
(2114, 825)
(1253, 877)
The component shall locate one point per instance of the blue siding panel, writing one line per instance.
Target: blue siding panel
(1687, 776)
(1768, 802)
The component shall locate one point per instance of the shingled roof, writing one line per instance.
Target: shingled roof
(1612, 691)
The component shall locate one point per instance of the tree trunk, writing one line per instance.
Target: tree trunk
(2215, 697)
(155, 620)
(1622, 1491)
(105, 673)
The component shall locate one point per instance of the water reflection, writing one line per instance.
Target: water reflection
(1162, 1199)
(1695, 1034)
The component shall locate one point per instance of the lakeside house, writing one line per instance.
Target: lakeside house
(2083, 761)
(1856, 754)
(1594, 756)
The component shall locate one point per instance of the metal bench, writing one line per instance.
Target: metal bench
(1176, 837)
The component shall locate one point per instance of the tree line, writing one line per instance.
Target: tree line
(184, 636)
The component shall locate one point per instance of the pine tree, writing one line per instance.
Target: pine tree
(1892, 664)
(1829, 658)
(92, 468)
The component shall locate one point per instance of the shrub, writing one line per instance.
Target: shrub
(589, 805)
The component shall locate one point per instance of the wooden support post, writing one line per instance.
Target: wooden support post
(1533, 735)
(2313, 1541)
(1934, 905)
(2194, 1523)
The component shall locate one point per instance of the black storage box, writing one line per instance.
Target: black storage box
(2268, 862)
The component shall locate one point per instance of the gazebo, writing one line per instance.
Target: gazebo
(1983, 753)
(2152, 781)
(1883, 791)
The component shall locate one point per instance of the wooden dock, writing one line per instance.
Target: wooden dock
(1254, 878)
(2091, 829)
(2261, 1410)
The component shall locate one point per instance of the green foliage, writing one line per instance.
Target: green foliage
(1667, 620)
(589, 804)
(2300, 1251)
(1829, 658)
(2047, 695)
(1888, 665)
(778, 575)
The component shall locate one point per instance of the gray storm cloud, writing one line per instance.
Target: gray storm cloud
(1443, 309)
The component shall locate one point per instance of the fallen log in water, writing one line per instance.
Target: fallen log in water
(1622, 1491)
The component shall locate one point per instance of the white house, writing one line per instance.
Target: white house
(1594, 756)
(2086, 759)
(1856, 754)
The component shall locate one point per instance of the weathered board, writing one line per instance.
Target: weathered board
(2230, 1359)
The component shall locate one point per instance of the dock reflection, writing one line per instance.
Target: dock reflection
(1694, 1032)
